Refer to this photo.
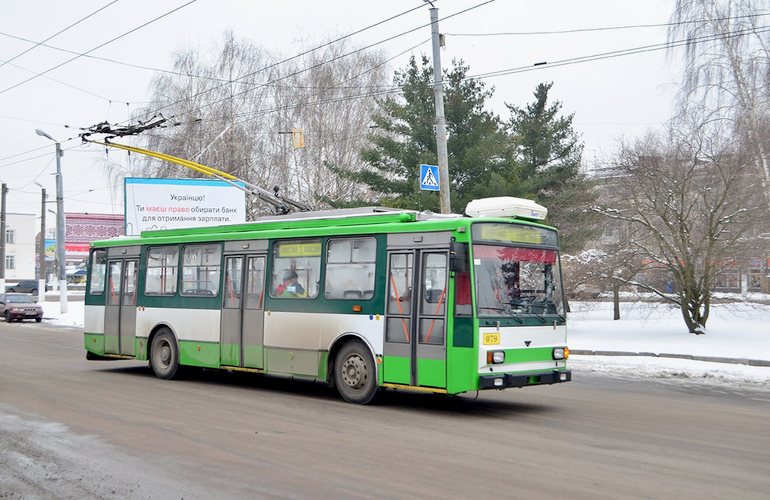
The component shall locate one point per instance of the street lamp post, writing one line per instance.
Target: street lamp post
(60, 252)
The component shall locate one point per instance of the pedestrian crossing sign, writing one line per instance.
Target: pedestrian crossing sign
(429, 178)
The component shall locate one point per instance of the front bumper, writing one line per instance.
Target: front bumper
(509, 380)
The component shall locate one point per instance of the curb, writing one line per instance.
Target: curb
(711, 359)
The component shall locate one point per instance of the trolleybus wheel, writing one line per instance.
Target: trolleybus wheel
(354, 373)
(164, 354)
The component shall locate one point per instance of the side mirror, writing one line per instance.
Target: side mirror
(458, 257)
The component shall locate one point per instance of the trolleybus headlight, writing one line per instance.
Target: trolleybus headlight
(560, 352)
(495, 357)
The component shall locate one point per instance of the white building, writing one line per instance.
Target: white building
(20, 233)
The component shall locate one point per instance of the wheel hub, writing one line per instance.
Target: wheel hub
(165, 354)
(354, 371)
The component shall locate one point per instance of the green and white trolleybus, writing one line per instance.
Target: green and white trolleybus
(362, 299)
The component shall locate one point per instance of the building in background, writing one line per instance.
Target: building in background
(20, 235)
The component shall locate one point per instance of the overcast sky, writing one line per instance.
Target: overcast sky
(611, 98)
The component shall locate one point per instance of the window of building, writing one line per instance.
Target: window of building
(296, 269)
(161, 271)
(10, 262)
(730, 280)
(200, 270)
(755, 280)
(98, 268)
(10, 236)
(350, 265)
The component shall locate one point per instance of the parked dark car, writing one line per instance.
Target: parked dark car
(19, 306)
(24, 286)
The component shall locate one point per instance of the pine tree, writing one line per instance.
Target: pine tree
(544, 165)
(404, 137)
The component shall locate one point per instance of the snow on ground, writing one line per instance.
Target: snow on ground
(737, 330)
(73, 317)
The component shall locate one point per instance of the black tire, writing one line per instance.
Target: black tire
(11, 290)
(38, 319)
(164, 354)
(8, 318)
(33, 291)
(354, 373)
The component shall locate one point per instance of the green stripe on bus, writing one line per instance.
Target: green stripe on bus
(529, 355)
(204, 354)
(396, 370)
(431, 372)
(94, 342)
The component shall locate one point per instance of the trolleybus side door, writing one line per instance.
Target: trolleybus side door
(415, 318)
(120, 306)
(242, 327)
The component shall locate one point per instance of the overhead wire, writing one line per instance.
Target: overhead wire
(38, 44)
(99, 46)
(617, 53)
(605, 28)
(230, 81)
(593, 57)
(79, 89)
(385, 88)
(520, 69)
(335, 58)
(227, 81)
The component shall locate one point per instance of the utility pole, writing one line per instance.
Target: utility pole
(41, 250)
(4, 191)
(438, 88)
(60, 252)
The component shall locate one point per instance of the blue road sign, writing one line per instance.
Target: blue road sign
(429, 178)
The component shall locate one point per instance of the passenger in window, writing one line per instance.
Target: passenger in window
(290, 287)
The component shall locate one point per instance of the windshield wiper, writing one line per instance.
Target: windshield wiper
(541, 318)
(505, 310)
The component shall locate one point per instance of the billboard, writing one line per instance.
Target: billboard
(173, 203)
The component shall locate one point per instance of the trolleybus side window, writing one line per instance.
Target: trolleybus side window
(98, 270)
(255, 283)
(161, 271)
(433, 298)
(296, 269)
(113, 286)
(350, 264)
(233, 274)
(200, 270)
(400, 297)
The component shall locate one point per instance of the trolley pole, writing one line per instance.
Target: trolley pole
(438, 89)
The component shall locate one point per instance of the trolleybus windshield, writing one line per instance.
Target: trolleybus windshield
(516, 278)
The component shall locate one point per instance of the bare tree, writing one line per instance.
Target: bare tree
(687, 201)
(727, 70)
(234, 109)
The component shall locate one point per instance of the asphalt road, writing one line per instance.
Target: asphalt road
(71, 428)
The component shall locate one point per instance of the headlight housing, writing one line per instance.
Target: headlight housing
(495, 357)
(560, 352)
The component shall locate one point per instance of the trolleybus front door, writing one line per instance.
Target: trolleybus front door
(242, 329)
(415, 331)
(120, 307)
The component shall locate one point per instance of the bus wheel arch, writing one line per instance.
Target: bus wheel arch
(163, 352)
(352, 369)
